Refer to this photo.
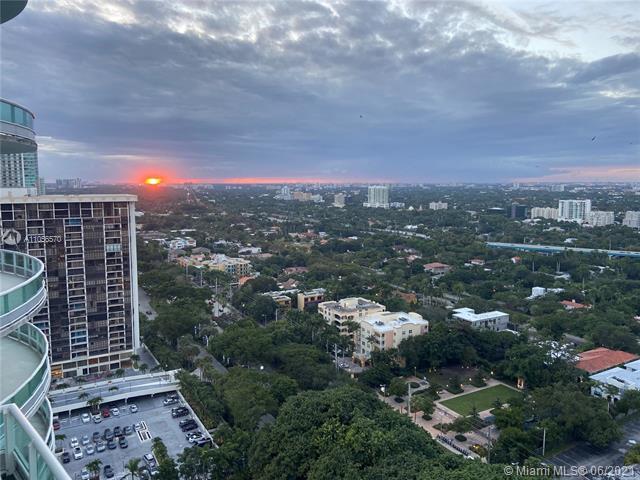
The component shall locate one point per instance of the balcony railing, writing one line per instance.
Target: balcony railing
(21, 302)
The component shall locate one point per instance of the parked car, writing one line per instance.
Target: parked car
(96, 436)
(85, 417)
(133, 408)
(189, 426)
(97, 418)
(179, 412)
(138, 426)
(74, 442)
(127, 430)
(66, 457)
(149, 459)
(90, 449)
(100, 446)
(56, 425)
(115, 411)
(117, 431)
(105, 413)
(108, 471)
(85, 440)
(112, 445)
(193, 438)
(185, 421)
(77, 453)
(84, 474)
(123, 442)
(108, 434)
(170, 401)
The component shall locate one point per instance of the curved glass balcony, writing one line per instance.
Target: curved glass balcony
(22, 290)
(16, 128)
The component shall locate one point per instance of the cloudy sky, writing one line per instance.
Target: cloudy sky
(334, 91)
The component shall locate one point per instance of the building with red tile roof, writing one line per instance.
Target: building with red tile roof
(599, 359)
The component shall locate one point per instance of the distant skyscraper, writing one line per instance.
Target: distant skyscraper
(573, 210)
(88, 246)
(378, 197)
(19, 170)
(68, 183)
(438, 206)
(338, 200)
(557, 187)
(597, 218)
(18, 157)
(544, 212)
(631, 219)
(519, 211)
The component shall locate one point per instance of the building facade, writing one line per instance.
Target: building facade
(631, 219)
(386, 330)
(377, 197)
(573, 210)
(339, 200)
(496, 321)
(544, 212)
(352, 309)
(438, 206)
(87, 244)
(598, 218)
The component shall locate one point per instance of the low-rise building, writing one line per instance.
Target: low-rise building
(544, 212)
(614, 382)
(352, 309)
(180, 243)
(310, 298)
(573, 305)
(282, 298)
(386, 330)
(437, 268)
(236, 267)
(438, 206)
(600, 359)
(495, 320)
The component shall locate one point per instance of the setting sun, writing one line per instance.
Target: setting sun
(153, 181)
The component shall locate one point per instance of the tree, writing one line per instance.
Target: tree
(133, 468)
(143, 367)
(632, 457)
(398, 387)
(94, 468)
(513, 446)
(422, 403)
(120, 372)
(94, 404)
(83, 396)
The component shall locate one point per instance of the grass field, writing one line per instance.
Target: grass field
(483, 399)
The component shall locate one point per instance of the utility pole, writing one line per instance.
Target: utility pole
(409, 403)
(544, 440)
(489, 445)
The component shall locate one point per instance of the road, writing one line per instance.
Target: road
(144, 303)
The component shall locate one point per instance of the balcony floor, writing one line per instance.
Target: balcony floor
(9, 280)
(18, 362)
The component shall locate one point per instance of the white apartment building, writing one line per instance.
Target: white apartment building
(377, 197)
(438, 206)
(544, 212)
(631, 219)
(352, 309)
(386, 330)
(597, 218)
(496, 320)
(338, 200)
(180, 243)
(573, 210)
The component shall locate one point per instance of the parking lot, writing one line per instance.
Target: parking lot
(151, 414)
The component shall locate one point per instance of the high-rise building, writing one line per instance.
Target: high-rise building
(573, 210)
(19, 170)
(519, 211)
(557, 187)
(438, 206)
(631, 219)
(544, 212)
(597, 218)
(68, 183)
(339, 200)
(377, 197)
(88, 246)
(18, 157)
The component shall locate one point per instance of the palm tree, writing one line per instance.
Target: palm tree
(94, 468)
(135, 358)
(83, 396)
(94, 403)
(133, 468)
(120, 372)
(143, 367)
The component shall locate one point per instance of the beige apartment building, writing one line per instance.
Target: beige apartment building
(386, 330)
(352, 309)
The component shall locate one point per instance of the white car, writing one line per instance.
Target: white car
(90, 450)
(84, 474)
(77, 453)
(97, 418)
(74, 442)
(115, 412)
(133, 408)
(86, 418)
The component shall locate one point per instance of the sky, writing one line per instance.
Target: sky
(348, 91)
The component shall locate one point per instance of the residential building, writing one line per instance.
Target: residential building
(437, 268)
(282, 297)
(573, 305)
(598, 218)
(20, 171)
(438, 206)
(377, 197)
(544, 212)
(339, 200)
(180, 243)
(557, 187)
(236, 267)
(68, 183)
(573, 210)
(310, 298)
(600, 359)
(285, 194)
(631, 219)
(386, 330)
(519, 211)
(352, 309)
(88, 246)
(495, 320)
(614, 382)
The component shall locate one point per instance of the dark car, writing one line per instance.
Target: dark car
(96, 436)
(186, 421)
(112, 445)
(56, 425)
(179, 412)
(123, 442)
(189, 426)
(117, 431)
(127, 430)
(108, 471)
(66, 458)
(108, 434)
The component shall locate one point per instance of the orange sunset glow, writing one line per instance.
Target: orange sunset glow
(153, 181)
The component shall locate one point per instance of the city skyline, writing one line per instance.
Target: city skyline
(329, 93)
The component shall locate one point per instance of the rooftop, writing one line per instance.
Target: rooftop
(599, 359)
(470, 315)
(97, 197)
(23, 360)
(387, 321)
(351, 304)
(9, 280)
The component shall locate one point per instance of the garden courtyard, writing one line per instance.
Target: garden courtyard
(483, 399)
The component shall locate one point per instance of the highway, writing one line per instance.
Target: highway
(559, 249)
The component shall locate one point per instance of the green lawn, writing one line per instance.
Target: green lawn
(483, 399)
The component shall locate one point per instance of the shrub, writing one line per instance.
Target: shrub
(399, 399)
(455, 389)
(461, 438)
(414, 385)
(426, 416)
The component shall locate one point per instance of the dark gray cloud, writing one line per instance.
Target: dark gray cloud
(350, 90)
